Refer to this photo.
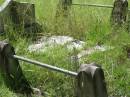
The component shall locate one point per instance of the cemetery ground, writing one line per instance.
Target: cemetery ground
(88, 24)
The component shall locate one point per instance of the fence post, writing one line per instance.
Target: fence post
(91, 81)
(119, 12)
(11, 70)
(21, 17)
(1, 25)
(129, 21)
(63, 7)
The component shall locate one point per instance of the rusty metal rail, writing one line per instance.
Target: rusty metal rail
(94, 5)
(67, 72)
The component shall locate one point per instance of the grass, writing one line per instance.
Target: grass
(85, 23)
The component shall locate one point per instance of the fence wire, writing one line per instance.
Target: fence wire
(95, 5)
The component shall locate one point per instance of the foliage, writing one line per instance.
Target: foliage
(85, 23)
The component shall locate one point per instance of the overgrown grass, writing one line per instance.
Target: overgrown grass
(85, 23)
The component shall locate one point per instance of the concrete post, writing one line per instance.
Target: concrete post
(63, 7)
(129, 21)
(91, 81)
(22, 14)
(11, 70)
(1, 26)
(119, 12)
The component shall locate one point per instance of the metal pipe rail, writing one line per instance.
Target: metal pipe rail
(74, 74)
(95, 5)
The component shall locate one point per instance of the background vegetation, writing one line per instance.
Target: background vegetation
(88, 24)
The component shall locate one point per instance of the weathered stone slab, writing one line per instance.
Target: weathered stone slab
(46, 43)
(119, 12)
(91, 81)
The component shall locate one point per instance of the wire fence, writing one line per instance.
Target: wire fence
(94, 5)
